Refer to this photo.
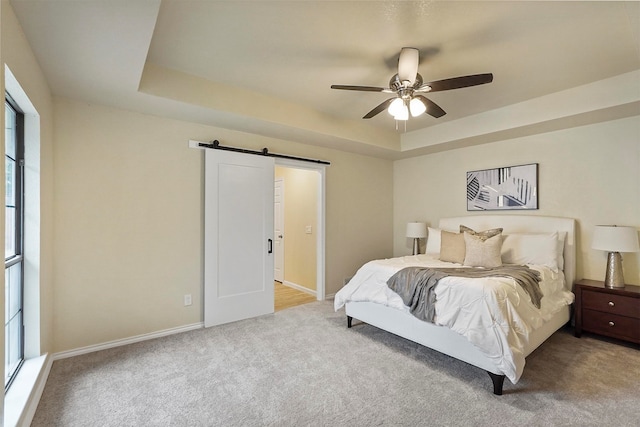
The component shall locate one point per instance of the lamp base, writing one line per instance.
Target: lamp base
(416, 246)
(614, 277)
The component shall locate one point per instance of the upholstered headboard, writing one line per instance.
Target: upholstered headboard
(524, 224)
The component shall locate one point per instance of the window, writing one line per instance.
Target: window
(13, 244)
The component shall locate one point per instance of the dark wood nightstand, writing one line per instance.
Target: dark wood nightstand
(611, 312)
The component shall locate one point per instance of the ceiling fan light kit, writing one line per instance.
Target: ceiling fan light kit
(407, 84)
(416, 107)
(398, 108)
(401, 113)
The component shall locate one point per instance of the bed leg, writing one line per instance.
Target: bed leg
(349, 320)
(498, 382)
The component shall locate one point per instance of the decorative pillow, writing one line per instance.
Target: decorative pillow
(482, 251)
(452, 247)
(483, 235)
(433, 241)
(534, 249)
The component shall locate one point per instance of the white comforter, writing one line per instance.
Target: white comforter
(494, 314)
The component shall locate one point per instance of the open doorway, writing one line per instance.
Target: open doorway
(298, 234)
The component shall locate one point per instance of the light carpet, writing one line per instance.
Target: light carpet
(303, 367)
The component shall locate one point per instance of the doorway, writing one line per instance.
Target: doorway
(278, 226)
(298, 232)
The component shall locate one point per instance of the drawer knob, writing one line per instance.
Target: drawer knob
(612, 324)
(611, 304)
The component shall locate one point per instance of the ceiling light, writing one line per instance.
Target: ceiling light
(417, 107)
(396, 106)
(402, 114)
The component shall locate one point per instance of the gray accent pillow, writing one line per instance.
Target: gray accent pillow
(482, 251)
(483, 235)
(452, 248)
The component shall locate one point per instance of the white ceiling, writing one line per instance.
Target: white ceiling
(267, 66)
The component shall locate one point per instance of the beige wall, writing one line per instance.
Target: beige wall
(591, 173)
(300, 211)
(128, 219)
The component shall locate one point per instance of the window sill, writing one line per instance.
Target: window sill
(22, 398)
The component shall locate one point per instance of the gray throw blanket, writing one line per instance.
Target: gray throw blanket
(415, 284)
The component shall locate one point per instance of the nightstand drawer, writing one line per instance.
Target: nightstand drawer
(615, 304)
(611, 325)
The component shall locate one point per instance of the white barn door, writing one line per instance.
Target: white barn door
(238, 236)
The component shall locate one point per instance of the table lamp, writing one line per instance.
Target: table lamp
(614, 240)
(416, 231)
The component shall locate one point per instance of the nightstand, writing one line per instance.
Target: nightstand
(605, 311)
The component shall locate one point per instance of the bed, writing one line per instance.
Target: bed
(488, 323)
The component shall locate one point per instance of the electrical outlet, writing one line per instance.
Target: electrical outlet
(307, 229)
(187, 300)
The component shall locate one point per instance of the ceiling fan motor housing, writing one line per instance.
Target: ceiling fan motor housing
(397, 85)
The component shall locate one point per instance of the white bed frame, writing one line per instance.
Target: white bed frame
(451, 343)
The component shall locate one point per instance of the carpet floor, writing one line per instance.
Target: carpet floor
(303, 367)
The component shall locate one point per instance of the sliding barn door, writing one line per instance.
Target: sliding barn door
(238, 247)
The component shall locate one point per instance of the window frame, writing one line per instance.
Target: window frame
(18, 257)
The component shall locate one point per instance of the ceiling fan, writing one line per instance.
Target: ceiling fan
(408, 86)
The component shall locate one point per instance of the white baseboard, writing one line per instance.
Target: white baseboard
(307, 290)
(300, 288)
(125, 341)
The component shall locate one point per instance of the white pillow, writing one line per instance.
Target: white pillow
(433, 241)
(534, 249)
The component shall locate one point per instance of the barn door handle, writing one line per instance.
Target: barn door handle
(270, 246)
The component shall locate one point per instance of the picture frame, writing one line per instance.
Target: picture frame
(503, 188)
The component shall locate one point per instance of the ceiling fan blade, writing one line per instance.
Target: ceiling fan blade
(380, 108)
(433, 109)
(408, 64)
(360, 88)
(457, 82)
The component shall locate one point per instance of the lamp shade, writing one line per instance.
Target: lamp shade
(403, 114)
(417, 229)
(396, 107)
(417, 107)
(612, 238)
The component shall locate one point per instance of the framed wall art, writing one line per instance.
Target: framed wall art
(508, 188)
